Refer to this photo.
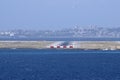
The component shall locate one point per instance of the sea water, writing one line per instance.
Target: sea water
(46, 64)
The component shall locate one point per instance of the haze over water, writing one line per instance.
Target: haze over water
(58, 14)
(58, 64)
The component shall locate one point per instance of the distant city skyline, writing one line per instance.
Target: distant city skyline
(76, 32)
(55, 14)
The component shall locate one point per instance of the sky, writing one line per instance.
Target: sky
(58, 14)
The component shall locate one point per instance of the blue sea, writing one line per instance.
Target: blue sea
(46, 64)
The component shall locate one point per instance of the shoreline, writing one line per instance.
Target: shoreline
(82, 45)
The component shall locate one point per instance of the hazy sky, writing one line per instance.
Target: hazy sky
(54, 14)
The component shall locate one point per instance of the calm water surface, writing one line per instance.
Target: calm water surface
(28, 64)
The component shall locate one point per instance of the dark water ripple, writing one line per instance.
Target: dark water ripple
(26, 64)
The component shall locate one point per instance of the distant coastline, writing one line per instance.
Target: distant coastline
(83, 45)
(60, 39)
(75, 32)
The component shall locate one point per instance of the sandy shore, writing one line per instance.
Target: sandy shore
(24, 44)
(104, 45)
(111, 45)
